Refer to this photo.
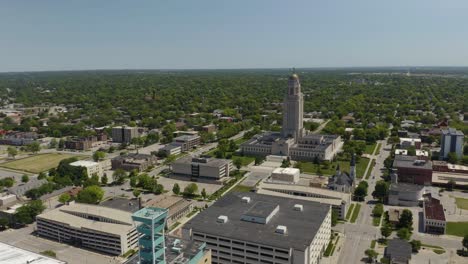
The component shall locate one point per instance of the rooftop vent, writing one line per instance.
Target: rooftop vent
(246, 199)
(281, 230)
(222, 219)
(298, 207)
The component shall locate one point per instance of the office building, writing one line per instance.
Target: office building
(177, 207)
(133, 161)
(195, 167)
(188, 142)
(293, 140)
(123, 134)
(451, 141)
(90, 226)
(410, 169)
(256, 228)
(290, 175)
(172, 149)
(92, 168)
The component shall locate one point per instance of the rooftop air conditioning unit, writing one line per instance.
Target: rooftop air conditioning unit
(222, 219)
(281, 229)
(298, 207)
(246, 199)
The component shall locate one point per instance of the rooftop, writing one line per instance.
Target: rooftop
(13, 255)
(187, 137)
(434, 210)
(124, 204)
(84, 163)
(398, 250)
(210, 162)
(405, 187)
(402, 161)
(150, 212)
(232, 206)
(452, 132)
(117, 221)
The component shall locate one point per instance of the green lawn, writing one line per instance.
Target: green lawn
(372, 244)
(377, 151)
(370, 169)
(355, 215)
(350, 210)
(240, 141)
(457, 228)
(310, 167)
(370, 148)
(40, 162)
(246, 160)
(241, 188)
(462, 203)
(376, 220)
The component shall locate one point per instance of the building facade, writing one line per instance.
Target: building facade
(123, 134)
(412, 170)
(188, 142)
(92, 168)
(451, 141)
(434, 216)
(202, 167)
(133, 161)
(255, 228)
(95, 227)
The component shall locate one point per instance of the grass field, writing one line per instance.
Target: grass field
(368, 174)
(377, 151)
(376, 220)
(457, 228)
(241, 188)
(462, 203)
(350, 210)
(370, 148)
(310, 167)
(39, 163)
(246, 160)
(355, 215)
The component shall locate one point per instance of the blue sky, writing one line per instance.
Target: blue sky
(175, 34)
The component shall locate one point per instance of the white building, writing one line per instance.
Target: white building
(172, 149)
(255, 228)
(286, 175)
(202, 167)
(91, 167)
(451, 141)
(91, 226)
(13, 255)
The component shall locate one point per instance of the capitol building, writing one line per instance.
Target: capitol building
(293, 140)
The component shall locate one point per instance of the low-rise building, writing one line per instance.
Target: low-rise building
(434, 220)
(290, 175)
(177, 207)
(91, 226)
(410, 169)
(83, 144)
(410, 142)
(7, 199)
(209, 128)
(255, 228)
(202, 167)
(92, 168)
(133, 161)
(13, 255)
(188, 141)
(405, 194)
(172, 149)
(398, 251)
(19, 138)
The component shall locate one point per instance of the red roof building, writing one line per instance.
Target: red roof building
(434, 216)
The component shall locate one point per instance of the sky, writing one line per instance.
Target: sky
(225, 34)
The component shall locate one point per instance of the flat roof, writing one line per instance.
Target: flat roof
(124, 204)
(402, 161)
(209, 162)
(306, 189)
(13, 255)
(405, 187)
(434, 210)
(333, 202)
(64, 215)
(84, 163)
(232, 206)
(452, 132)
(286, 171)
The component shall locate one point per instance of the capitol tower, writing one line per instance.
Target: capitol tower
(293, 110)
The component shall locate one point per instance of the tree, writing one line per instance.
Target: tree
(412, 151)
(452, 157)
(24, 178)
(191, 189)
(378, 210)
(26, 213)
(360, 192)
(203, 193)
(371, 254)
(171, 158)
(91, 195)
(61, 144)
(136, 193)
(42, 175)
(404, 233)
(285, 163)
(133, 181)
(176, 189)
(12, 152)
(53, 143)
(33, 147)
(3, 223)
(104, 179)
(334, 217)
(451, 184)
(465, 241)
(416, 245)
(99, 155)
(406, 220)
(238, 163)
(49, 253)
(64, 198)
(119, 176)
(386, 230)
(381, 190)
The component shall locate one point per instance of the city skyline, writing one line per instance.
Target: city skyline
(88, 35)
